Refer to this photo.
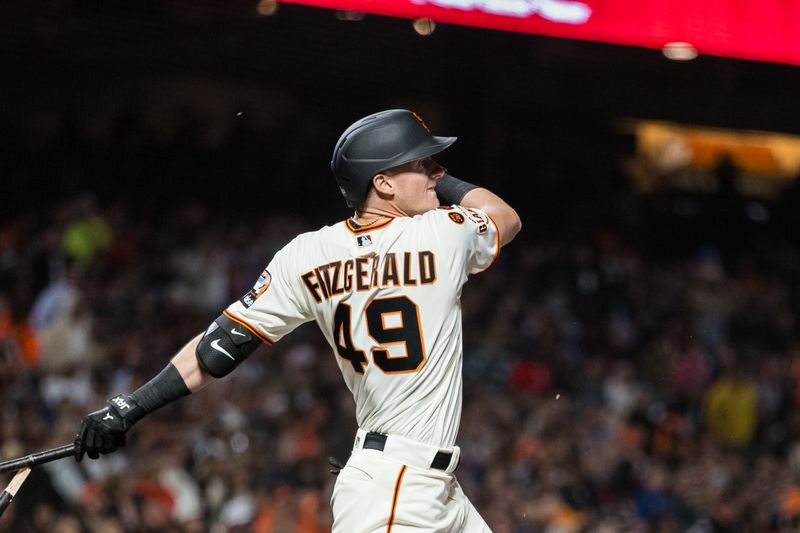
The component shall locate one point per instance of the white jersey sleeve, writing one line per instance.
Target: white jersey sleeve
(276, 305)
(472, 231)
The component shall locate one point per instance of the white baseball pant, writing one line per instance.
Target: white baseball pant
(396, 491)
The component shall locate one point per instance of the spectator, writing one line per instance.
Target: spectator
(731, 409)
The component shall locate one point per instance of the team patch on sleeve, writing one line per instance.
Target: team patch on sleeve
(258, 289)
(480, 219)
(458, 218)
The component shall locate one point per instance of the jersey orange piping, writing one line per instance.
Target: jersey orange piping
(394, 498)
(250, 328)
(349, 225)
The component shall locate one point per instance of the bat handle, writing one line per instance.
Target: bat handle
(38, 458)
(8, 494)
(5, 500)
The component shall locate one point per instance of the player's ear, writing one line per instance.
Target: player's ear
(383, 184)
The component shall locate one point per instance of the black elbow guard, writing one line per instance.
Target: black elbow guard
(225, 345)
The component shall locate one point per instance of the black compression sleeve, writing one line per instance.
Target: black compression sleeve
(451, 190)
(167, 386)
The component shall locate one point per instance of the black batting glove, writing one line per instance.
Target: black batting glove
(103, 431)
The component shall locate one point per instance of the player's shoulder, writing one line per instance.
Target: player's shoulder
(456, 212)
(457, 218)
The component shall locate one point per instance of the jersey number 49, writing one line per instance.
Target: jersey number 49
(406, 331)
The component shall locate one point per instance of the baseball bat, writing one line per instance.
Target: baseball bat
(37, 458)
(12, 488)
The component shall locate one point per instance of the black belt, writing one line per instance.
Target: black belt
(377, 441)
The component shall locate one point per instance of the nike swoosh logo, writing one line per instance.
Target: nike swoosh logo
(233, 330)
(217, 347)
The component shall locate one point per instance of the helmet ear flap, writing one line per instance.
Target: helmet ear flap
(379, 142)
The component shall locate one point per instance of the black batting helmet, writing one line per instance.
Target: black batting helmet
(379, 142)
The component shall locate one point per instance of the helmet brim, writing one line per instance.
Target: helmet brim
(430, 147)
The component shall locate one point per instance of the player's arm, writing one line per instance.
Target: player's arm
(451, 190)
(187, 365)
(226, 343)
(214, 354)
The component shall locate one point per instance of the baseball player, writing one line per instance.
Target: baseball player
(384, 287)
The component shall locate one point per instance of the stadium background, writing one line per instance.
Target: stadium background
(632, 361)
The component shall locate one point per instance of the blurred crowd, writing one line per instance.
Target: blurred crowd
(606, 389)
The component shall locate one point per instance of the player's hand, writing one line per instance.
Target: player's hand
(103, 431)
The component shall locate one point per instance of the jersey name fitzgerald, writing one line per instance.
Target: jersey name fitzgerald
(386, 299)
(370, 272)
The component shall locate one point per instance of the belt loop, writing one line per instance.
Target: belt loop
(455, 460)
(358, 442)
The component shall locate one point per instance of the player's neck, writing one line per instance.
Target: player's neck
(370, 214)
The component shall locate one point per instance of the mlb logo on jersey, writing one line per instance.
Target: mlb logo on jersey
(364, 240)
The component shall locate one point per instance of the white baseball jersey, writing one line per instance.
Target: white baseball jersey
(387, 298)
